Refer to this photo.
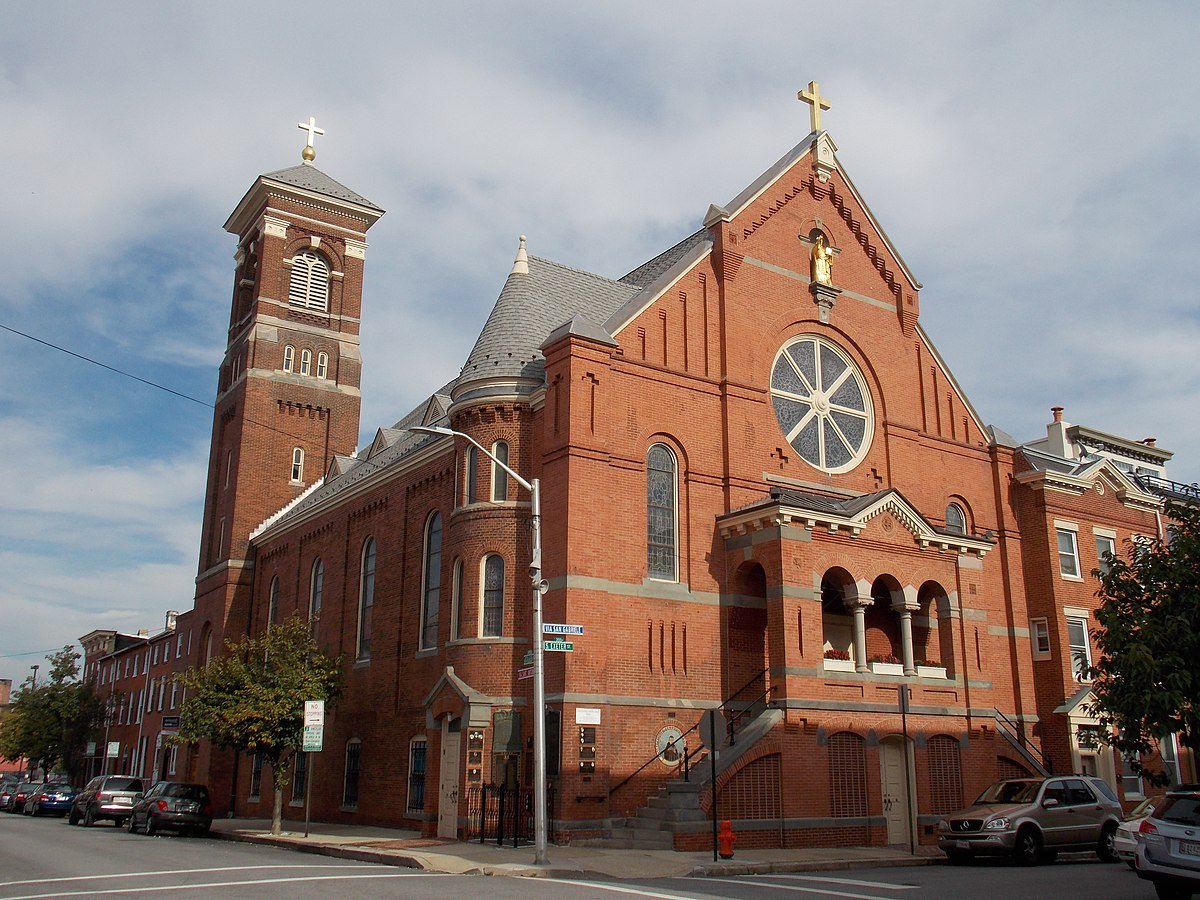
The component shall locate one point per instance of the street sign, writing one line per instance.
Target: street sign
(558, 646)
(91, 749)
(524, 673)
(114, 749)
(170, 723)
(314, 738)
(548, 628)
(528, 658)
(314, 712)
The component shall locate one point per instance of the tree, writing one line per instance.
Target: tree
(1146, 680)
(251, 700)
(51, 722)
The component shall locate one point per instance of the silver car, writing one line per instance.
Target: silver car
(1168, 844)
(1032, 819)
(1125, 842)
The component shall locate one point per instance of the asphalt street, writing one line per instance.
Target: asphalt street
(45, 858)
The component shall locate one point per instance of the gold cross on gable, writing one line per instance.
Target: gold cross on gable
(813, 98)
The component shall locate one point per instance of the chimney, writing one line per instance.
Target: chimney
(1057, 441)
(1149, 442)
(172, 615)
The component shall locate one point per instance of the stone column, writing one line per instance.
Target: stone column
(858, 607)
(905, 604)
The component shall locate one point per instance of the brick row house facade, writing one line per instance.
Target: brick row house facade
(763, 491)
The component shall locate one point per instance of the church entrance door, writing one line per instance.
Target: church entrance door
(894, 775)
(448, 780)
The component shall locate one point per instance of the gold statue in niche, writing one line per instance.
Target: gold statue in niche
(821, 261)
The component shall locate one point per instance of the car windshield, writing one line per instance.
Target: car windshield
(1011, 792)
(123, 784)
(1180, 810)
(186, 791)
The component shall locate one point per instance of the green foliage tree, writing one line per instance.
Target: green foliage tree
(252, 699)
(49, 723)
(1146, 679)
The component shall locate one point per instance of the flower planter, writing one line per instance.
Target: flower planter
(839, 665)
(887, 668)
(931, 671)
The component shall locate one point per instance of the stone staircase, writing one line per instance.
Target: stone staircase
(675, 809)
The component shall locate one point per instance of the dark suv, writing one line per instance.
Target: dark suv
(1031, 819)
(176, 805)
(105, 797)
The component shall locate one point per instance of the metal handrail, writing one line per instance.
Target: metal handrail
(688, 754)
(1023, 741)
(1166, 486)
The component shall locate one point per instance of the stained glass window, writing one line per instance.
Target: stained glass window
(493, 596)
(822, 404)
(661, 533)
(433, 582)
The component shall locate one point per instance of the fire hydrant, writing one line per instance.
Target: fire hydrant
(725, 839)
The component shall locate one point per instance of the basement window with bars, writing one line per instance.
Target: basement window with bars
(416, 774)
(309, 287)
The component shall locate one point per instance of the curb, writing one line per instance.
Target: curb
(720, 870)
(355, 853)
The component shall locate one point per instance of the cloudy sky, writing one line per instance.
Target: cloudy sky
(1036, 164)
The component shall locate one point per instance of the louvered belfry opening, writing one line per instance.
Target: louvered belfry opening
(309, 287)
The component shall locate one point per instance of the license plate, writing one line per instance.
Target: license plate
(123, 801)
(962, 845)
(1189, 848)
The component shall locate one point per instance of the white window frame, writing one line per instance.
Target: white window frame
(174, 694)
(322, 364)
(305, 361)
(316, 593)
(1039, 628)
(297, 465)
(289, 358)
(959, 527)
(1072, 531)
(499, 476)
(1109, 538)
(431, 581)
(456, 585)
(483, 592)
(273, 602)
(1132, 784)
(172, 759)
(366, 597)
(1168, 752)
(1072, 618)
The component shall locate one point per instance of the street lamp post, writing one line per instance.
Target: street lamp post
(540, 857)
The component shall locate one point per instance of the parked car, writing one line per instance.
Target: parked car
(20, 794)
(1125, 842)
(51, 798)
(105, 797)
(8, 787)
(1168, 844)
(1032, 819)
(176, 805)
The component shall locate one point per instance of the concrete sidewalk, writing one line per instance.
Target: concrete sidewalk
(397, 847)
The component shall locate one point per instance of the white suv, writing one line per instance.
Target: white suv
(1168, 844)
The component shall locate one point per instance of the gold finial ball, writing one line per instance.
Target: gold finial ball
(309, 153)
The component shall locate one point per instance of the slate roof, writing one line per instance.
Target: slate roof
(529, 308)
(310, 178)
(648, 272)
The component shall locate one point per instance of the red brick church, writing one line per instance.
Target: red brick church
(762, 491)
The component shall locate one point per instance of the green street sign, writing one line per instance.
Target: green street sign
(528, 658)
(558, 646)
(314, 737)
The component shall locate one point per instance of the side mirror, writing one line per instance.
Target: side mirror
(138, 796)
(1049, 803)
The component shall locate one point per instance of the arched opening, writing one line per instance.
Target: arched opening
(933, 636)
(837, 624)
(882, 622)
(746, 635)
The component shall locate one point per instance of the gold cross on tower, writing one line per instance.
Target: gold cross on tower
(813, 97)
(310, 152)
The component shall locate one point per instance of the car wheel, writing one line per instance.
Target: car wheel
(151, 828)
(1106, 849)
(130, 825)
(959, 857)
(73, 817)
(1028, 849)
(89, 817)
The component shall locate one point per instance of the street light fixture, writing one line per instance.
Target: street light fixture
(539, 680)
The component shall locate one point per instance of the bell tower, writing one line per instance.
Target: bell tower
(288, 397)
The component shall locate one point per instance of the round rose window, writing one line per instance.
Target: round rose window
(822, 404)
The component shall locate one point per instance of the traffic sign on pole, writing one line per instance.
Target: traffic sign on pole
(314, 738)
(558, 646)
(314, 712)
(550, 628)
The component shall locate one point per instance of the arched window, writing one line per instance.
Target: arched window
(472, 491)
(432, 581)
(492, 618)
(297, 464)
(309, 288)
(306, 362)
(456, 601)
(350, 778)
(273, 602)
(945, 774)
(499, 476)
(661, 533)
(366, 598)
(289, 358)
(316, 593)
(956, 519)
(322, 364)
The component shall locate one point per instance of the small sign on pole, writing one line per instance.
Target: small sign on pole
(314, 712)
(558, 646)
(524, 673)
(314, 738)
(114, 749)
(550, 628)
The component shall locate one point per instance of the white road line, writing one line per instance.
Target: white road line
(231, 884)
(353, 864)
(775, 885)
(616, 889)
(885, 885)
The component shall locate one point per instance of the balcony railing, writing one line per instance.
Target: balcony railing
(1172, 490)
